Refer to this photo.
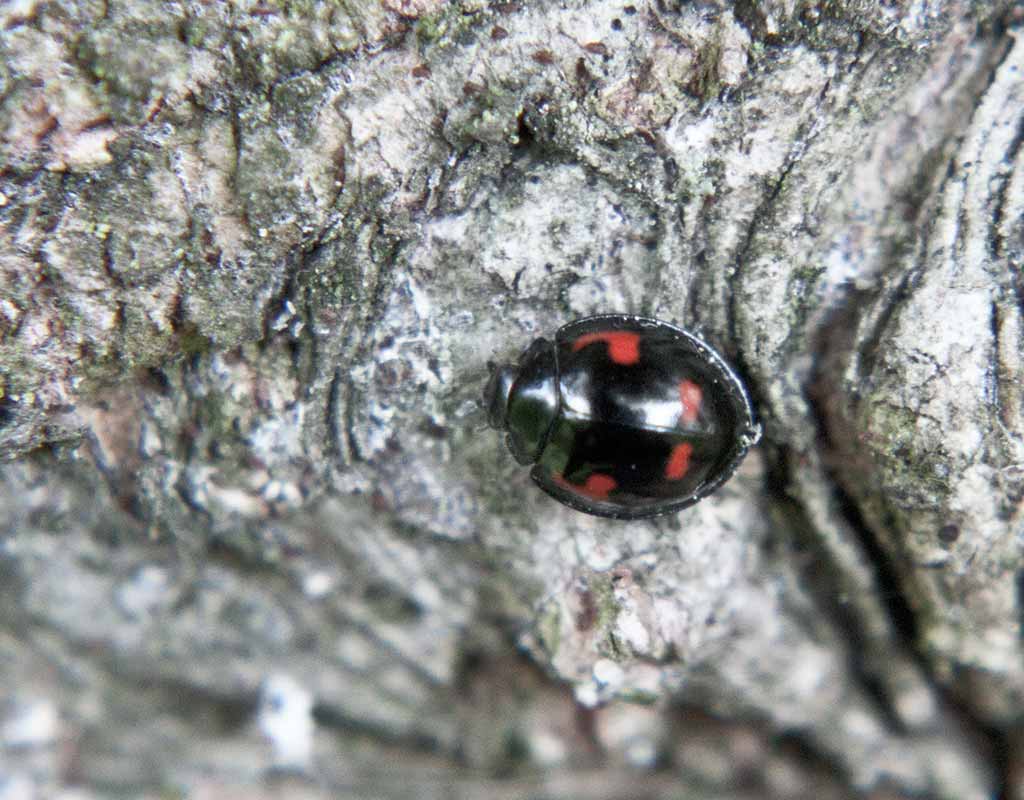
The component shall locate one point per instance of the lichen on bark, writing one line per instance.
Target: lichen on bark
(256, 257)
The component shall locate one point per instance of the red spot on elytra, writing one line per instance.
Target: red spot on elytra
(679, 461)
(596, 486)
(691, 396)
(623, 346)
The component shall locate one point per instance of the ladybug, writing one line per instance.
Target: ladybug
(623, 416)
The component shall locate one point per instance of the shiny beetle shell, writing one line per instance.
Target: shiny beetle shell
(623, 416)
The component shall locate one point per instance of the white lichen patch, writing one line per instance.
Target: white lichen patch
(148, 591)
(30, 722)
(684, 594)
(278, 437)
(635, 620)
(318, 584)
(285, 717)
(365, 114)
(643, 102)
(413, 8)
(57, 118)
(17, 11)
(531, 243)
(82, 151)
(548, 748)
(634, 733)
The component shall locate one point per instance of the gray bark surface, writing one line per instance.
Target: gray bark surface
(255, 538)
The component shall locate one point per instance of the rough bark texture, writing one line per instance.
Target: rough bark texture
(256, 540)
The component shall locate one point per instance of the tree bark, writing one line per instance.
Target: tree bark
(255, 538)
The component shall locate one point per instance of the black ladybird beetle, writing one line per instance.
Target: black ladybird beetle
(623, 416)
